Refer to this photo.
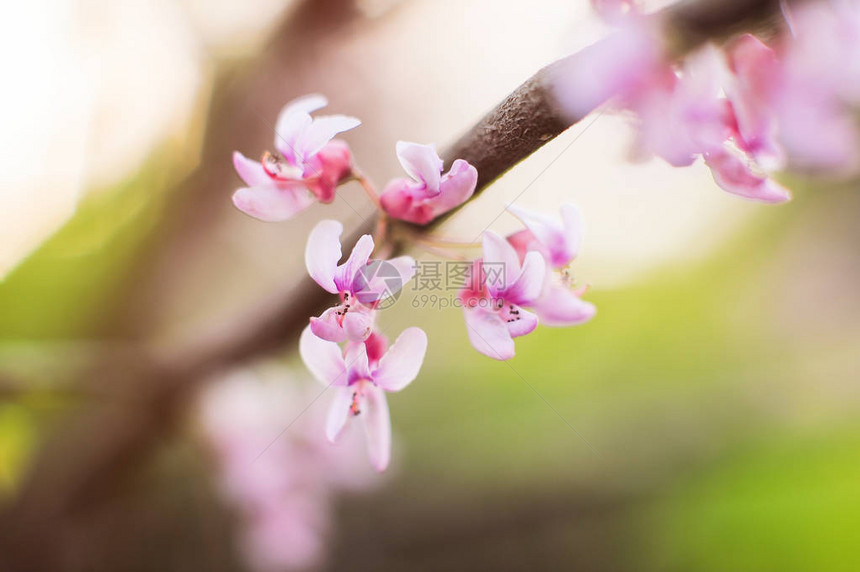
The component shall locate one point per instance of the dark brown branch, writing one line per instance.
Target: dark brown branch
(85, 464)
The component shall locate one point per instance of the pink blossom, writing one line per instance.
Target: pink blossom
(689, 117)
(558, 242)
(820, 88)
(281, 487)
(309, 168)
(427, 193)
(361, 283)
(624, 63)
(683, 116)
(755, 80)
(361, 375)
(500, 288)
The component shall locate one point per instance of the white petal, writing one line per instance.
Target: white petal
(338, 412)
(501, 263)
(272, 203)
(377, 427)
(402, 362)
(323, 253)
(344, 275)
(323, 358)
(489, 334)
(323, 130)
(529, 284)
(422, 162)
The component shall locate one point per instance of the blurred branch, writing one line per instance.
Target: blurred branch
(84, 465)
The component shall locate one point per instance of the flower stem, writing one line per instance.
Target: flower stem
(368, 186)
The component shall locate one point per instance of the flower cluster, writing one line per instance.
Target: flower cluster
(342, 347)
(747, 109)
(534, 266)
(308, 167)
(362, 371)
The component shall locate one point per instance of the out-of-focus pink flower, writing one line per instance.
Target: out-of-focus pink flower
(755, 80)
(361, 375)
(500, 287)
(690, 117)
(820, 89)
(428, 193)
(559, 304)
(682, 117)
(361, 283)
(625, 63)
(309, 168)
(281, 487)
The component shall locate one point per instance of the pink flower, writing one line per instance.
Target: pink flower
(361, 377)
(310, 166)
(558, 304)
(820, 89)
(428, 193)
(626, 62)
(684, 116)
(755, 80)
(688, 117)
(281, 487)
(361, 283)
(500, 288)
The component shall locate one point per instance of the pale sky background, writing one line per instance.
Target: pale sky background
(80, 111)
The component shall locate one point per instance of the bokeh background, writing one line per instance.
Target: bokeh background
(706, 419)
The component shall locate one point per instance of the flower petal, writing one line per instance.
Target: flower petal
(402, 362)
(322, 130)
(422, 162)
(272, 203)
(457, 185)
(525, 323)
(488, 333)
(733, 174)
(561, 241)
(328, 327)
(357, 362)
(560, 306)
(357, 326)
(377, 427)
(305, 104)
(344, 275)
(338, 412)
(501, 264)
(324, 359)
(293, 120)
(528, 285)
(322, 253)
(250, 171)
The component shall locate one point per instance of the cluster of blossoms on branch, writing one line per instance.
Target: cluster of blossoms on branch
(748, 108)
(343, 347)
